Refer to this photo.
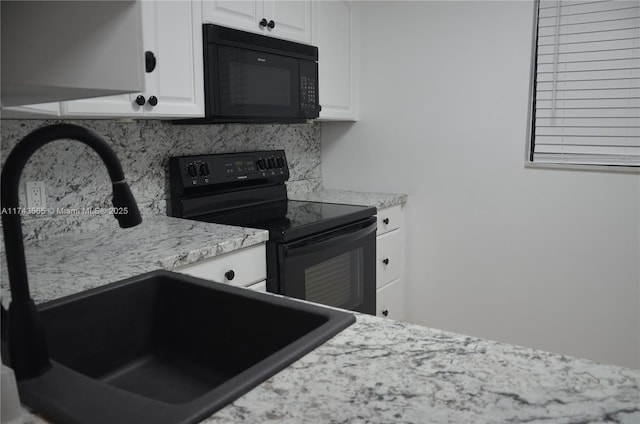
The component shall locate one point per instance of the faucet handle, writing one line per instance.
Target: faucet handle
(126, 210)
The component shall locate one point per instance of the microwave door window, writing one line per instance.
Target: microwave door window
(256, 84)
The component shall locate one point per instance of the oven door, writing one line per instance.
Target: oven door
(335, 268)
(253, 83)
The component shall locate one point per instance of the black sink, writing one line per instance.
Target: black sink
(167, 348)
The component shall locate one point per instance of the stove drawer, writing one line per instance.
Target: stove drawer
(239, 268)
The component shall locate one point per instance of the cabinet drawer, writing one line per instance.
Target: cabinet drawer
(390, 300)
(389, 219)
(240, 268)
(388, 257)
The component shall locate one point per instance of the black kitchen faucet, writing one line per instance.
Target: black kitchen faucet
(28, 352)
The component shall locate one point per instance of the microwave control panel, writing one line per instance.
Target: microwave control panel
(309, 107)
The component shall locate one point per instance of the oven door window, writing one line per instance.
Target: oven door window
(336, 281)
(257, 84)
(335, 270)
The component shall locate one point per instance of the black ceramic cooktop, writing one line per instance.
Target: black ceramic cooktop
(292, 219)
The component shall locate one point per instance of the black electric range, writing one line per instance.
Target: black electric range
(321, 252)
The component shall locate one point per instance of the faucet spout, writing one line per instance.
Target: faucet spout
(28, 352)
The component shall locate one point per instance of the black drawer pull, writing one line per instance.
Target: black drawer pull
(385, 313)
(229, 275)
(385, 261)
(386, 221)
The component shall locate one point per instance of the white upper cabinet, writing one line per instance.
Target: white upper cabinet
(172, 37)
(39, 110)
(60, 50)
(288, 19)
(335, 33)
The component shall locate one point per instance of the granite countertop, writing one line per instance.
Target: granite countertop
(384, 371)
(378, 200)
(375, 371)
(73, 263)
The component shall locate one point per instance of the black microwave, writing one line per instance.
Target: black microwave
(255, 78)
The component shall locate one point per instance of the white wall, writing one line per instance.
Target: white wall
(542, 258)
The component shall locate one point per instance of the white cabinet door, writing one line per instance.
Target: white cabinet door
(172, 31)
(390, 301)
(40, 110)
(335, 32)
(288, 19)
(291, 19)
(117, 106)
(244, 15)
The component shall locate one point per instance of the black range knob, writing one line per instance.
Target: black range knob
(263, 23)
(229, 275)
(261, 164)
(191, 170)
(153, 100)
(204, 169)
(140, 100)
(280, 161)
(271, 163)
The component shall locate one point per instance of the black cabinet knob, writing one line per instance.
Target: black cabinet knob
(271, 24)
(385, 261)
(385, 313)
(153, 100)
(229, 275)
(140, 100)
(386, 221)
(263, 23)
(149, 61)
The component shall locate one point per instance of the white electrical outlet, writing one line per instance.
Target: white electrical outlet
(35, 195)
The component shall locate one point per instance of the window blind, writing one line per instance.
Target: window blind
(587, 83)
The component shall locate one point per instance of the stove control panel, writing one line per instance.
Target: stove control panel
(210, 170)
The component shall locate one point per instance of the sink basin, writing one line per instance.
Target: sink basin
(167, 348)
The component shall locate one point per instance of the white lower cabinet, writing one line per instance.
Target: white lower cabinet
(259, 286)
(389, 259)
(244, 267)
(390, 300)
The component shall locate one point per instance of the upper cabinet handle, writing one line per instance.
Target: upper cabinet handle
(263, 22)
(149, 61)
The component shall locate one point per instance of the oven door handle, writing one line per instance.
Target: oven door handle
(305, 247)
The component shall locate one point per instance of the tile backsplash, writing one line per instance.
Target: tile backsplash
(75, 178)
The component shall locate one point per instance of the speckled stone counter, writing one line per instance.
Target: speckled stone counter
(75, 262)
(378, 200)
(383, 371)
(376, 371)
